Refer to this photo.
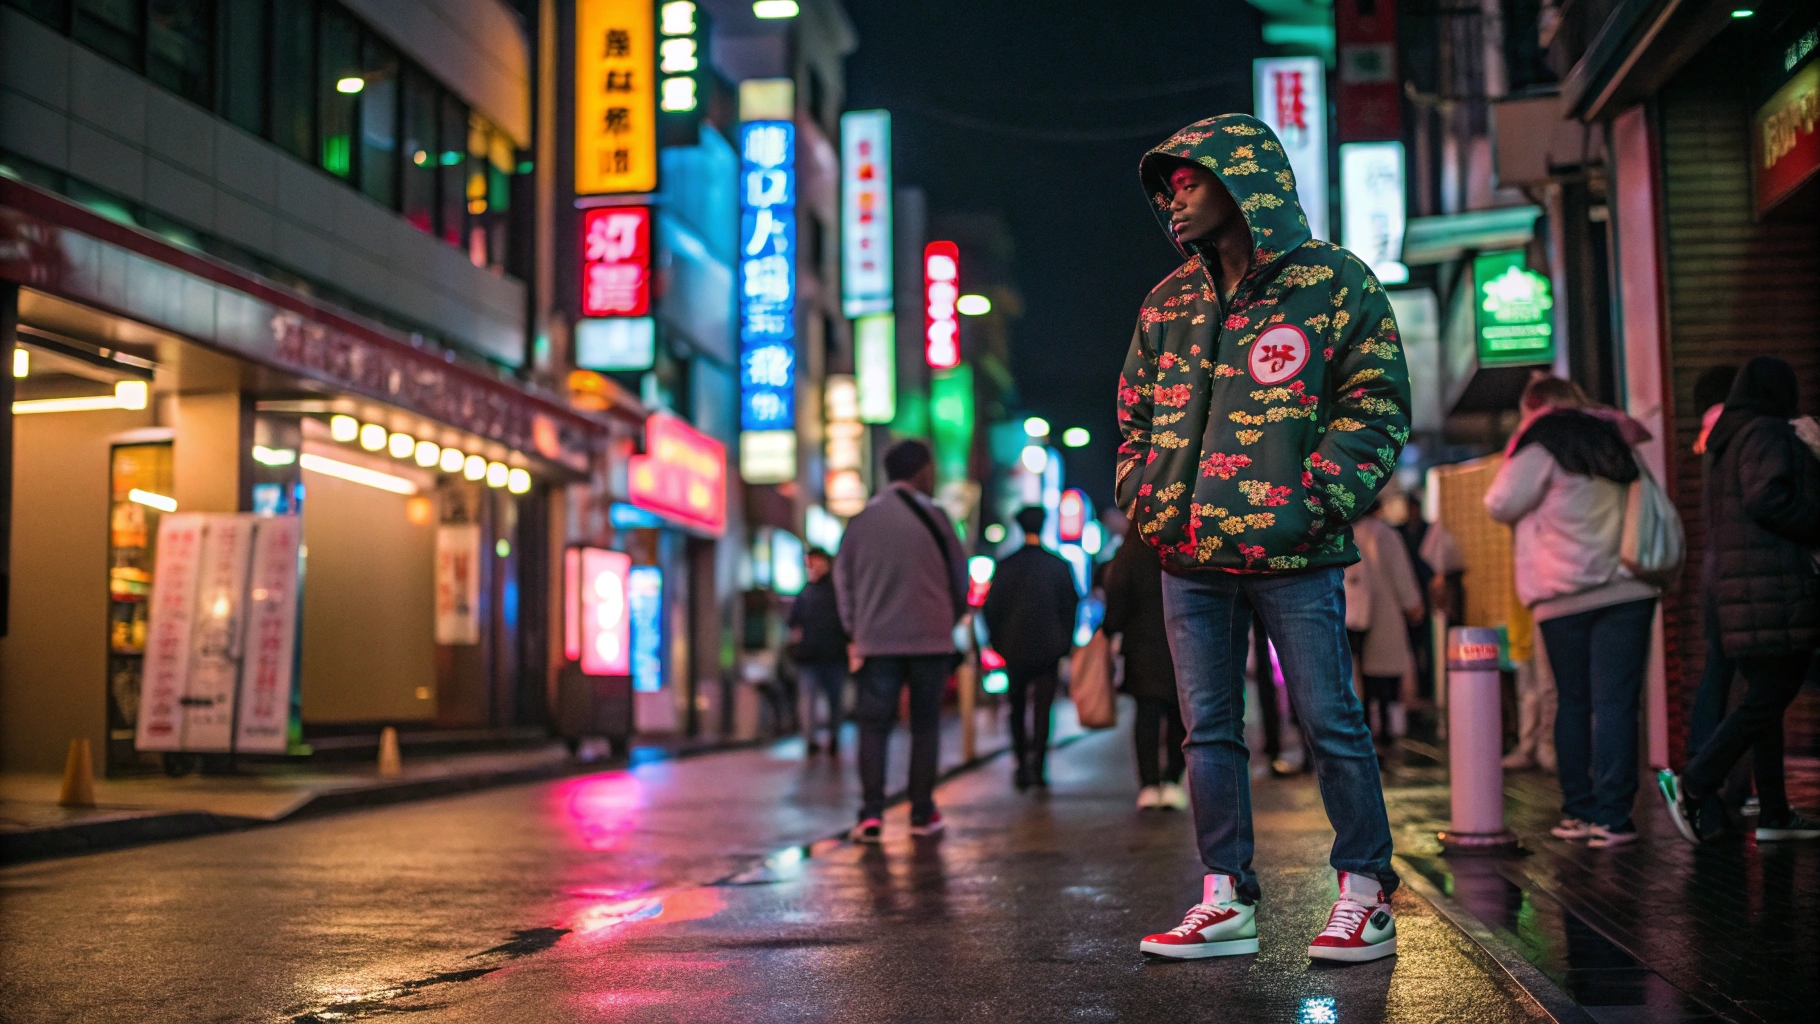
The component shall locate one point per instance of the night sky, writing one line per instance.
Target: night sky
(1039, 112)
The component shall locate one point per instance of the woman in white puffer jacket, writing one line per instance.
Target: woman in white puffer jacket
(1563, 489)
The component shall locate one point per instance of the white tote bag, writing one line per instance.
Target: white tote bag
(1654, 544)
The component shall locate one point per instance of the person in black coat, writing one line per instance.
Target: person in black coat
(1762, 511)
(818, 645)
(1030, 614)
(1134, 610)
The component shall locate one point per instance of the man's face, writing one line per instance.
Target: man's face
(818, 567)
(1201, 207)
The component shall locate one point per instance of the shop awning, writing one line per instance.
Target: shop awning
(1453, 235)
(56, 246)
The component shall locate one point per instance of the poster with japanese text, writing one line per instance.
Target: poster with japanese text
(615, 97)
(167, 643)
(458, 584)
(268, 670)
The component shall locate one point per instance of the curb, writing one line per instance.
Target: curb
(1548, 997)
(52, 842)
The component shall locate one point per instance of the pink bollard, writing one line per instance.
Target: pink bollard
(1475, 738)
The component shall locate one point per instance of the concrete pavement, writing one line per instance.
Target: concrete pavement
(696, 890)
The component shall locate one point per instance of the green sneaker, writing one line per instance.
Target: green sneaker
(1682, 815)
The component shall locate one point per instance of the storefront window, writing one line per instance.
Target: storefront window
(111, 27)
(421, 157)
(379, 122)
(241, 89)
(293, 99)
(180, 34)
(452, 138)
(139, 472)
(339, 85)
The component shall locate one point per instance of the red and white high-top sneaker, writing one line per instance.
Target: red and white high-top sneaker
(1360, 926)
(1219, 925)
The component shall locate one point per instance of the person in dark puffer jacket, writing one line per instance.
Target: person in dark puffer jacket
(1762, 510)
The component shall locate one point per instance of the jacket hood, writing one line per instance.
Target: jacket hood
(1583, 443)
(1249, 160)
(1765, 387)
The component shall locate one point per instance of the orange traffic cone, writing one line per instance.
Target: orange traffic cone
(388, 753)
(78, 777)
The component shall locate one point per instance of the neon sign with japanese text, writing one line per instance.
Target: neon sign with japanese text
(767, 275)
(616, 261)
(941, 289)
(682, 475)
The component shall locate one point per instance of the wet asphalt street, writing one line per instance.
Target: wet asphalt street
(696, 891)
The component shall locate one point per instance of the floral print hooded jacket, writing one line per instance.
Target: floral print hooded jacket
(1254, 431)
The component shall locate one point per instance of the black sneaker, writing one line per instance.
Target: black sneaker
(1794, 826)
(932, 826)
(870, 830)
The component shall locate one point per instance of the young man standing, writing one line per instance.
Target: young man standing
(901, 586)
(1030, 615)
(1263, 403)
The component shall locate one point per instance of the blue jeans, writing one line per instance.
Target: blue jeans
(1599, 657)
(1209, 618)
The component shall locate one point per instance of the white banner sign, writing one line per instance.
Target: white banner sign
(267, 675)
(458, 584)
(167, 638)
(1372, 208)
(1291, 97)
(865, 212)
(220, 644)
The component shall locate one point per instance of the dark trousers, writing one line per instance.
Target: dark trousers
(826, 679)
(1599, 657)
(881, 679)
(1709, 710)
(1268, 712)
(1771, 683)
(1167, 764)
(1030, 742)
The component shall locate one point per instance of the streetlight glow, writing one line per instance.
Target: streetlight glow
(1036, 426)
(771, 9)
(973, 305)
(1035, 458)
(1076, 437)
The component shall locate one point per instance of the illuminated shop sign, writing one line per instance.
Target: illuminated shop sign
(1291, 98)
(615, 97)
(596, 627)
(616, 343)
(875, 365)
(865, 212)
(1512, 311)
(678, 57)
(616, 261)
(767, 275)
(1071, 517)
(645, 607)
(843, 486)
(1368, 95)
(941, 287)
(951, 415)
(682, 475)
(1785, 150)
(1372, 214)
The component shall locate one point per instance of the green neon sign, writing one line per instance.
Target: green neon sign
(951, 421)
(1512, 311)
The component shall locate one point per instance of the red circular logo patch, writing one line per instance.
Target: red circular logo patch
(1278, 354)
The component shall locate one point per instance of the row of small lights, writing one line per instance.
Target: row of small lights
(428, 454)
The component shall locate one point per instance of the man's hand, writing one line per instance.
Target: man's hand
(854, 660)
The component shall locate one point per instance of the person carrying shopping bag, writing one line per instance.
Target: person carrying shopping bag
(1565, 490)
(1134, 610)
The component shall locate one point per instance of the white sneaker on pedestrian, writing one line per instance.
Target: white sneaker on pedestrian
(1360, 926)
(1174, 797)
(1219, 925)
(1150, 798)
(1571, 828)
(1792, 827)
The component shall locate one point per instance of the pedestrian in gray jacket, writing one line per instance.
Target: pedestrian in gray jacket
(901, 585)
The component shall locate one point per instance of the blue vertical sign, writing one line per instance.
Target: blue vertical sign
(645, 607)
(767, 275)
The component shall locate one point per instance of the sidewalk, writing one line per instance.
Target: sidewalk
(1656, 932)
(144, 809)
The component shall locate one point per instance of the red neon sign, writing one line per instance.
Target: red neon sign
(941, 287)
(682, 475)
(571, 604)
(616, 261)
(598, 588)
(1071, 516)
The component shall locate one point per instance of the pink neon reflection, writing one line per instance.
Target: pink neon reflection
(602, 809)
